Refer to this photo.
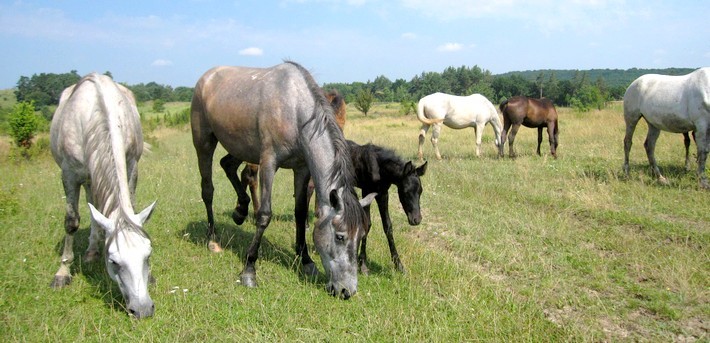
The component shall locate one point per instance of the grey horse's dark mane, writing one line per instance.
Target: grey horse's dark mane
(103, 170)
(341, 171)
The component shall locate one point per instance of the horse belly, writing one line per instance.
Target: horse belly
(671, 122)
(533, 123)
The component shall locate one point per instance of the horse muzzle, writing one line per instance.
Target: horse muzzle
(414, 219)
(340, 291)
(142, 310)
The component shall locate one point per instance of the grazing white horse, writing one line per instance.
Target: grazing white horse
(457, 112)
(96, 140)
(670, 103)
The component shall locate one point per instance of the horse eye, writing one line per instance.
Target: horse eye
(339, 237)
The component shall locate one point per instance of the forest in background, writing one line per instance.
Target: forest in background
(581, 89)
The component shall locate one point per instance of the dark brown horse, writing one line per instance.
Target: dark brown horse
(249, 175)
(533, 113)
(278, 117)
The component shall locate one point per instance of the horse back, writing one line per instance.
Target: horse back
(249, 103)
(671, 103)
(95, 111)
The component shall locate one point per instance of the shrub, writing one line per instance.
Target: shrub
(407, 106)
(363, 100)
(23, 124)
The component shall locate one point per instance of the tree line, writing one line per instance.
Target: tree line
(583, 90)
(44, 90)
(579, 90)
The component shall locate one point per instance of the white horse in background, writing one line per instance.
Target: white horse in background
(670, 103)
(457, 112)
(96, 140)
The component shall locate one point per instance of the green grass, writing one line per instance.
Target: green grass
(531, 249)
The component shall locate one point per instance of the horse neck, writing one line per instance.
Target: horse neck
(107, 154)
(391, 167)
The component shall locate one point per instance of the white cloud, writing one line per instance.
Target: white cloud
(252, 51)
(450, 47)
(409, 35)
(161, 63)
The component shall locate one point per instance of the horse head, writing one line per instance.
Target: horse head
(338, 230)
(409, 189)
(128, 250)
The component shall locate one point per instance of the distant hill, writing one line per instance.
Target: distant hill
(612, 77)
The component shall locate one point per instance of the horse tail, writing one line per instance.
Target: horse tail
(503, 105)
(422, 118)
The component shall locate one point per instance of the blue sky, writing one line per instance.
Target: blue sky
(174, 42)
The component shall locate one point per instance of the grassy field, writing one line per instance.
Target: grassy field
(531, 249)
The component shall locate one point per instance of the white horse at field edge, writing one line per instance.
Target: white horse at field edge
(457, 112)
(670, 103)
(96, 140)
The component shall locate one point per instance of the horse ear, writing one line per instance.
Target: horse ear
(145, 214)
(99, 218)
(366, 201)
(408, 168)
(422, 169)
(336, 201)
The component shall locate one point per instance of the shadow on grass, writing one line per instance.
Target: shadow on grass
(674, 173)
(94, 272)
(237, 238)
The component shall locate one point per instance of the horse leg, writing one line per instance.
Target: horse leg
(422, 135)
(686, 142)
(479, 138)
(205, 151)
(301, 178)
(504, 134)
(71, 225)
(539, 140)
(267, 170)
(631, 121)
(435, 140)
(702, 141)
(650, 145)
(92, 252)
(230, 165)
(511, 139)
(556, 133)
(383, 206)
(552, 137)
(362, 256)
(250, 179)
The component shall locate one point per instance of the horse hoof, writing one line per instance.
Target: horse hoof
(663, 181)
(60, 281)
(91, 256)
(248, 280)
(239, 217)
(364, 270)
(311, 270)
(400, 268)
(214, 247)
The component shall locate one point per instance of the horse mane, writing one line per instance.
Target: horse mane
(108, 190)
(341, 171)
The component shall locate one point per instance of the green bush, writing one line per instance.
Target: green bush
(407, 106)
(23, 124)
